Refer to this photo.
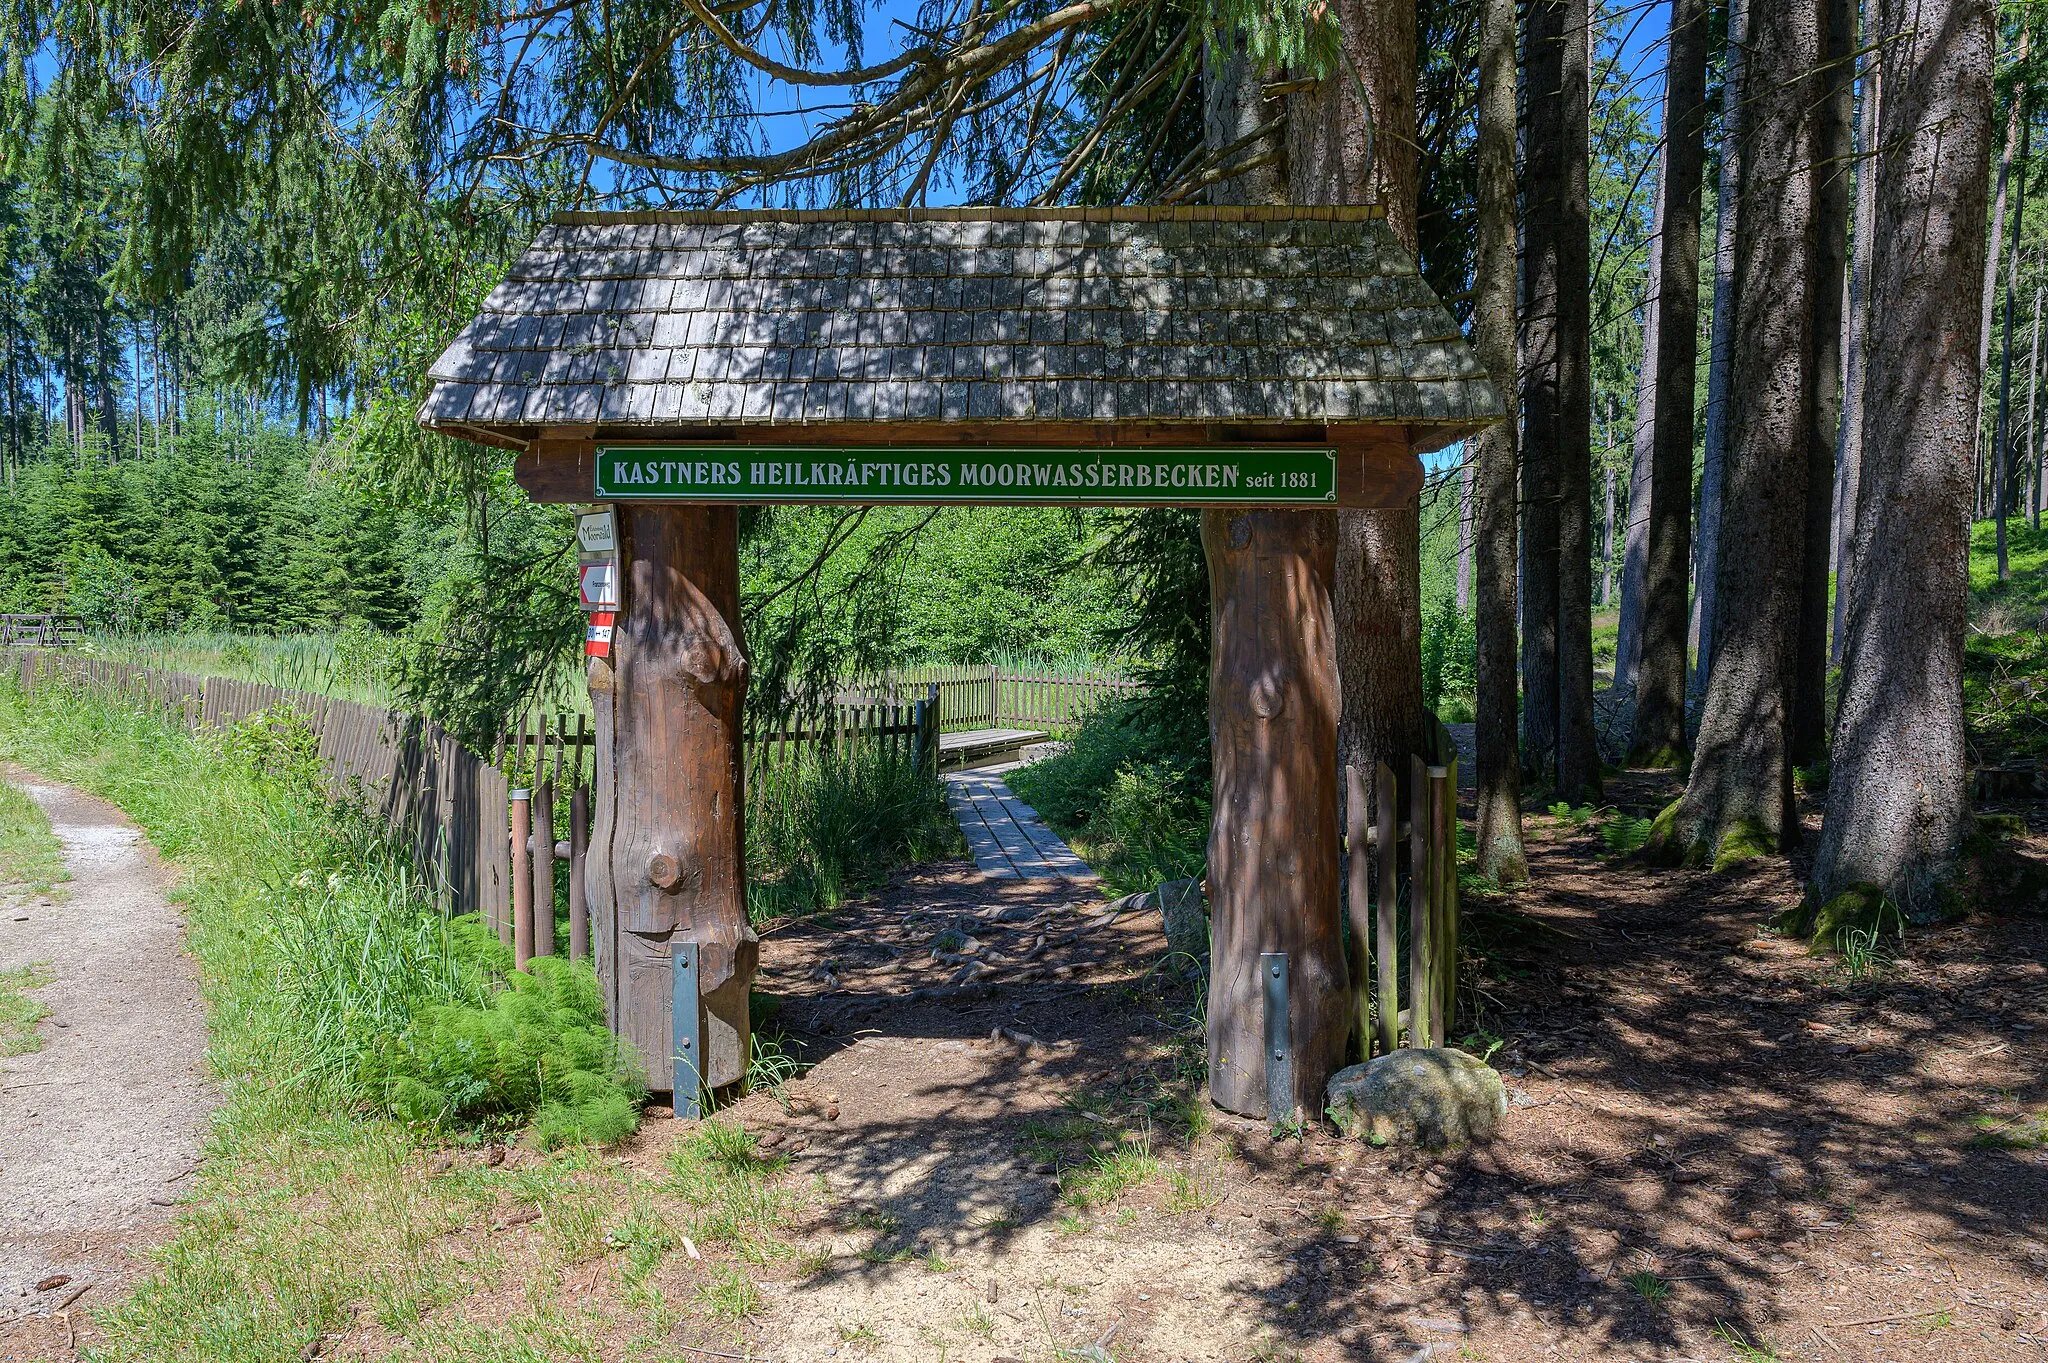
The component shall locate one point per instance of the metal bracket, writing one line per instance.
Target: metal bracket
(1279, 1038)
(686, 1031)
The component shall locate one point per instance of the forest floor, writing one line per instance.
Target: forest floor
(1720, 1148)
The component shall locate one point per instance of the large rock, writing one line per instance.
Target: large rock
(1187, 917)
(1431, 1097)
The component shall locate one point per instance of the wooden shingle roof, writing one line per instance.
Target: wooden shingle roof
(1147, 315)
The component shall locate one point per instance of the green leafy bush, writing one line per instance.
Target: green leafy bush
(1449, 670)
(832, 821)
(336, 985)
(1131, 792)
(538, 1046)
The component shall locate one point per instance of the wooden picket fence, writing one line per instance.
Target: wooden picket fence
(468, 822)
(904, 724)
(41, 631)
(1403, 874)
(987, 697)
(441, 800)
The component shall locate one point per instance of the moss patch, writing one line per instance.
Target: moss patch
(1743, 841)
(1860, 908)
(1659, 759)
(1665, 846)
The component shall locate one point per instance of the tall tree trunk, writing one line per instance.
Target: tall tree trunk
(1498, 799)
(1834, 138)
(1606, 535)
(1721, 340)
(1992, 260)
(1849, 461)
(2035, 446)
(1557, 403)
(1658, 736)
(1273, 708)
(1738, 800)
(1628, 632)
(2003, 473)
(1464, 584)
(2027, 447)
(1378, 599)
(1898, 802)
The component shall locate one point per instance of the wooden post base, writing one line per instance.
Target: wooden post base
(1273, 850)
(667, 860)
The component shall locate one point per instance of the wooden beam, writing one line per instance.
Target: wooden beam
(1375, 467)
(1273, 851)
(668, 862)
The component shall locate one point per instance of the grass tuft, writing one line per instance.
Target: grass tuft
(1649, 1286)
(730, 1296)
(1109, 1175)
(31, 859)
(19, 1013)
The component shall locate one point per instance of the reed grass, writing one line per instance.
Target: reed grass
(831, 820)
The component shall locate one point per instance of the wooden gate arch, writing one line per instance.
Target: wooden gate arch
(1270, 366)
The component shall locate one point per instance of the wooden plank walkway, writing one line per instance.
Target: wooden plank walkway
(1006, 835)
(983, 747)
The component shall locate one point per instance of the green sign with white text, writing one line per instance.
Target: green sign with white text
(1243, 475)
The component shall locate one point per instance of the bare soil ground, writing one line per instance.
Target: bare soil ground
(1721, 1146)
(99, 1127)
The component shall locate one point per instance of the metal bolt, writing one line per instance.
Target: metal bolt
(663, 870)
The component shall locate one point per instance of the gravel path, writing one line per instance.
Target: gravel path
(99, 1127)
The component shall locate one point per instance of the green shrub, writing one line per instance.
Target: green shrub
(334, 984)
(1449, 662)
(1131, 792)
(834, 820)
(539, 1047)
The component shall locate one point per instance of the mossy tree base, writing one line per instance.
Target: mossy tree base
(1672, 843)
(1662, 758)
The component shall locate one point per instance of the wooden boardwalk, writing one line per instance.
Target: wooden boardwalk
(985, 747)
(1006, 835)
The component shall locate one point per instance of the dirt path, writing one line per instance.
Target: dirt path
(100, 1126)
(1721, 1148)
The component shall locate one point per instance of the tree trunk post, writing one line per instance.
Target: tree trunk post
(1658, 736)
(1898, 796)
(1557, 408)
(668, 862)
(1835, 150)
(1849, 461)
(1273, 848)
(1497, 800)
(1720, 342)
(1738, 799)
(1628, 628)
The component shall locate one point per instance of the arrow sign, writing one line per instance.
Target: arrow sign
(598, 586)
(595, 532)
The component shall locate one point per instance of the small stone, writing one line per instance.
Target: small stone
(1432, 1097)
